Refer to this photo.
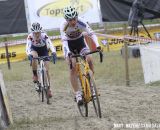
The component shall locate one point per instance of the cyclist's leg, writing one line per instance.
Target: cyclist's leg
(74, 81)
(90, 62)
(73, 76)
(34, 65)
(88, 57)
(75, 46)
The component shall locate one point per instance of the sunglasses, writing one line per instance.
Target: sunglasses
(73, 19)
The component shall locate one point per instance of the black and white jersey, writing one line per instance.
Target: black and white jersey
(74, 33)
(43, 41)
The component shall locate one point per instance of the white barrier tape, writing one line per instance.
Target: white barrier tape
(17, 42)
(128, 37)
(141, 39)
(109, 36)
(23, 41)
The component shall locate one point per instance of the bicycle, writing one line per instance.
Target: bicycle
(43, 83)
(87, 82)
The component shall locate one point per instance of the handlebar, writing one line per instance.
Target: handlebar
(40, 58)
(91, 52)
(83, 56)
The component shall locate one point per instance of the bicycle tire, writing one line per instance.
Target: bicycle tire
(95, 96)
(46, 88)
(42, 91)
(83, 109)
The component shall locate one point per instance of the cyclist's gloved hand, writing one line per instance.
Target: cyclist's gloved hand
(69, 54)
(99, 48)
(30, 57)
(54, 55)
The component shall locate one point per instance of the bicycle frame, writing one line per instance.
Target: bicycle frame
(87, 82)
(42, 69)
(43, 79)
(84, 81)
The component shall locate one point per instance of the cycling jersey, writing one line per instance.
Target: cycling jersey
(38, 45)
(69, 33)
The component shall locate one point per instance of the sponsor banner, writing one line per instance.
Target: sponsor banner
(17, 52)
(50, 12)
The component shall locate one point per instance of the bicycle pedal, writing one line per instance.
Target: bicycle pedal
(38, 90)
(80, 103)
(35, 82)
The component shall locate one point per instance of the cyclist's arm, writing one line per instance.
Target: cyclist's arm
(90, 32)
(64, 41)
(28, 46)
(51, 47)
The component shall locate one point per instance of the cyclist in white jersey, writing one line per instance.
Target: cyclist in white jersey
(38, 44)
(73, 42)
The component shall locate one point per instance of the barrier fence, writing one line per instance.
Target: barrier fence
(5, 111)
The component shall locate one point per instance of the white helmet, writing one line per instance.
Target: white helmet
(70, 12)
(36, 27)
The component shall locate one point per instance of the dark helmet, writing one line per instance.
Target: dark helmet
(36, 27)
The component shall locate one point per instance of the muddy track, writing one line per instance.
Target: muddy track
(120, 104)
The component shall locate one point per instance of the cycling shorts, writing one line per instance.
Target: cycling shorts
(77, 46)
(41, 51)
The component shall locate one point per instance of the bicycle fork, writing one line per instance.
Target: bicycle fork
(85, 87)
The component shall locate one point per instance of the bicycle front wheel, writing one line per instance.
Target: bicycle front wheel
(95, 95)
(46, 86)
(42, 86)
(83, 108)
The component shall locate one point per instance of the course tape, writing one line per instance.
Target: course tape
(128, 37)
(125, 37)
(23, 41)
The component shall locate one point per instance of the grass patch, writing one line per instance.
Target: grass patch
(111, 71)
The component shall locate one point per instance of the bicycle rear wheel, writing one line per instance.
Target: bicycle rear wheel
(95, 95)
(42, 86)
(46, 87)
(83, 109)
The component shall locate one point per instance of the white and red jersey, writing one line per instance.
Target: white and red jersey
(73, 33)
(43, 41)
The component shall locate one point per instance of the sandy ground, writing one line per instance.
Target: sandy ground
(120, 105)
